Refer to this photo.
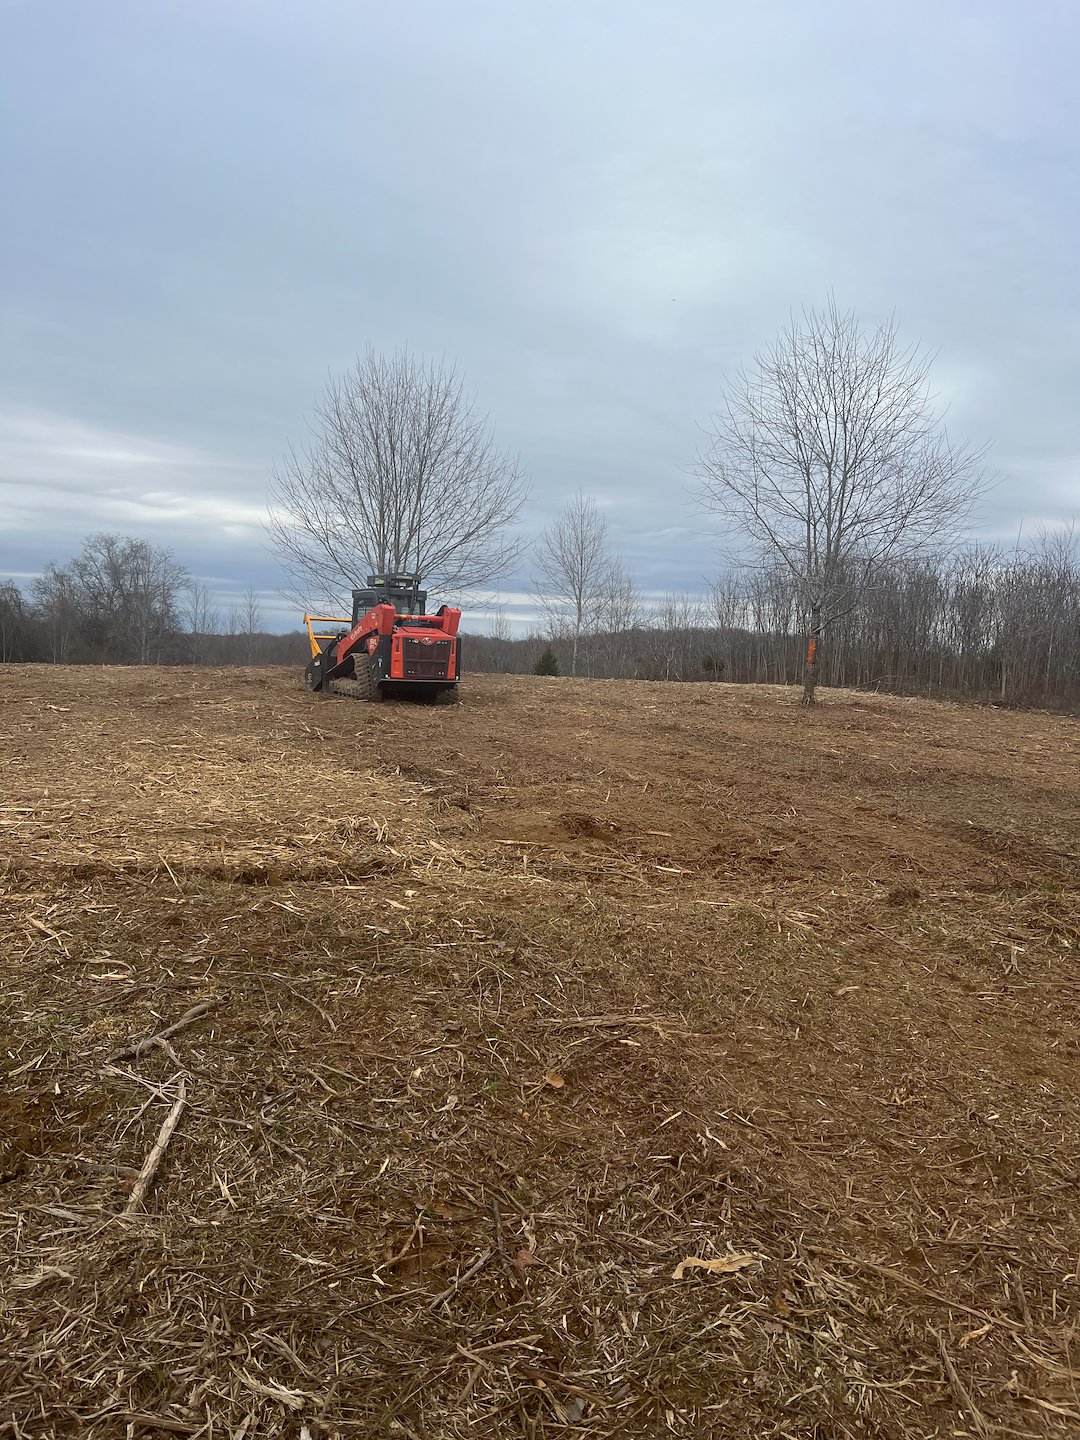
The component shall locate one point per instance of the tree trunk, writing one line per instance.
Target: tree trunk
(810, 668)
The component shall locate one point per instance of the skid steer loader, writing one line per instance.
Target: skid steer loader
(390, 648)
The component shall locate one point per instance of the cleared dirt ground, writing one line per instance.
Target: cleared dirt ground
(515, 1007)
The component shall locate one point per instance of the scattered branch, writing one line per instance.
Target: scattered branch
(153, 1160)
(452, 1289)
(136, 1048)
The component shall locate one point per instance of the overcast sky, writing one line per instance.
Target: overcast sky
(596, 209)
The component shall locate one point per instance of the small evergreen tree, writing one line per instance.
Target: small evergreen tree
(547, 664)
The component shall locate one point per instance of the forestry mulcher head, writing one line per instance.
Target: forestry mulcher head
(390, 647)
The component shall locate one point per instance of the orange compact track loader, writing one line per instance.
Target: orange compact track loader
(389, 648)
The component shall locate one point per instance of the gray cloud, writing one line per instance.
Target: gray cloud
(596, 210)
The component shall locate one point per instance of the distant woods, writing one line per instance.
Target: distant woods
(123, 601)
(983, 624)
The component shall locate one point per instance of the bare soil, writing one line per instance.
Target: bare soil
(516, 1006)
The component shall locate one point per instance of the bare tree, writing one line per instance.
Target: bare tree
(618, 615)
(573, 565)
(12, 621)
(400, 473)
(984, 623)
(129, 597)
(117, 601)
(501, 635)
(829, 453)
(677, 625)
(58, 613)
(201, 619)
(252, 623)
(727, 598)
(619, 604)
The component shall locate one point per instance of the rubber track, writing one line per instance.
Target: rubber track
(362, 688)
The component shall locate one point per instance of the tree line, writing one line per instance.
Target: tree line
(123, 601)
(981, 624)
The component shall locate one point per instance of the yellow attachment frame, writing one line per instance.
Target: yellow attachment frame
(314, 636)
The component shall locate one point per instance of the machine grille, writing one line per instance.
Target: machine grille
(426, 660)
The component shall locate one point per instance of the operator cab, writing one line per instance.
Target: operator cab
(401, 591)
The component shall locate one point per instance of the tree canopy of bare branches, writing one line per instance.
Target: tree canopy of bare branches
(12, 620)
(400, 473)
(574, 571)
(200, 618)
(828, 452)
(117, 601)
